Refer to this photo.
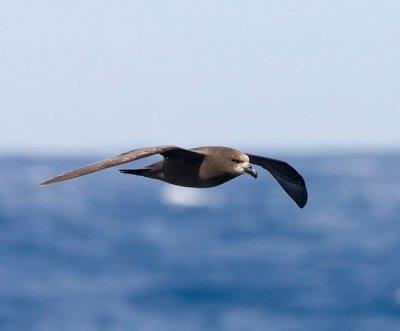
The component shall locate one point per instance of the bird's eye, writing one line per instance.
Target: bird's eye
(235, 160)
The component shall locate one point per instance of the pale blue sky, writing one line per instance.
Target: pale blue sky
(112, 75)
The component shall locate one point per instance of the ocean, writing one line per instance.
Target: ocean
(117, 252)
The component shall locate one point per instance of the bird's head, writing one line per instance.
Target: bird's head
(242, 165)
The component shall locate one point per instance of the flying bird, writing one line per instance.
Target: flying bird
(199, 167)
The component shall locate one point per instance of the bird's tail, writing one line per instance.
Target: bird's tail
(139, 172)
(152, 171)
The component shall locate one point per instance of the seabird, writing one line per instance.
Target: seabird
(199, 167)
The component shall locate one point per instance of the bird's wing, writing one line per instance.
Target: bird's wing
(120, 159)
(288, 177)
(181, 152)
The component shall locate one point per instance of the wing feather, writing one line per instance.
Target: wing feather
(288, 177)
(130, 156)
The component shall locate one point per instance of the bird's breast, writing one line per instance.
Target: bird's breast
(192, 173)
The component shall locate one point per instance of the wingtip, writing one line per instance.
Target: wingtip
(301, 198)
(301, 204)
(45, 183)
(51, 181)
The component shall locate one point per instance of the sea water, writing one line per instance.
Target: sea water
(117, 252)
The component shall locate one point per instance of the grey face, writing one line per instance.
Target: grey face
(242, 165)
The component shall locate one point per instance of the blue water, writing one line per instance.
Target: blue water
(118, 252)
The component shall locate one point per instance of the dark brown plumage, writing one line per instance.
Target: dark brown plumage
(199, 167)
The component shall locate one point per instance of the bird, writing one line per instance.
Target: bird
(200, 167)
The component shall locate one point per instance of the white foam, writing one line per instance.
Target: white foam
(191, 197)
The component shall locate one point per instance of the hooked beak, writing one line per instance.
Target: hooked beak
(249, 170)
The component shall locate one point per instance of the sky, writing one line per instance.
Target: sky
(80, 76)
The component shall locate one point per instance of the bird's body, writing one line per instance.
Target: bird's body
(206, 167)
(200, 167)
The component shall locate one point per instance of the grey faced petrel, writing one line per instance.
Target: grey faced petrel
(200, 167)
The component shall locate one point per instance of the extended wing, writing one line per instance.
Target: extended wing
(133, 155)
(288, 177)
